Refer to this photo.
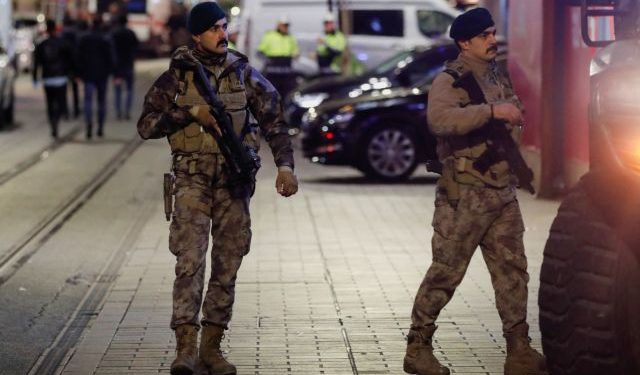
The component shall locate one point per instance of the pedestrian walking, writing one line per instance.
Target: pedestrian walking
(95, 62)
(52, 61)
(206, 197)
(125, 45)
(177, 25)
(330, 48)
(475, 199)
(279, 48)
(70, 33)
(234, 32)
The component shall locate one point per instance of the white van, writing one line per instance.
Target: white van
(378, 29)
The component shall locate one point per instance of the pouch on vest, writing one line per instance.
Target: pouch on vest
(231, 92)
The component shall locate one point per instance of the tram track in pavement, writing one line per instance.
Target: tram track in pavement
(59, 352)
(29, 244)
(39, 156)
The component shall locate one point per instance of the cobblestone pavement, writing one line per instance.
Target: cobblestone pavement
(327, 288)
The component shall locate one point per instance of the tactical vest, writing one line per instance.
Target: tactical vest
(232, 92)
(464, 150)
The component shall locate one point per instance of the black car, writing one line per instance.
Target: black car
(382, 132)
(7, 87)
(404, 69)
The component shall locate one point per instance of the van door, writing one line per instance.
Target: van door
(376, 34)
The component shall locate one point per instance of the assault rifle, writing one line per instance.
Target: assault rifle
(242, 161)
(498, 137)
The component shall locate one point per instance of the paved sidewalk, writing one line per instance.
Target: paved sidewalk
(327, 288)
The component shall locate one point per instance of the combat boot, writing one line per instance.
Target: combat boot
(186, 350)
(522, 359)
(419, 358)
(210, 353)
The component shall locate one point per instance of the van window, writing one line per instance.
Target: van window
(378, 22)
(21, 23)
(136, 6)
(432, 23)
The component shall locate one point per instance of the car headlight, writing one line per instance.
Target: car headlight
(309, 116)
(309, 100)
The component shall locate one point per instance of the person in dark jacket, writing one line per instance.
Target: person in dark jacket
(95, 62)
(70, 33)
(125, 43)
(53, 60)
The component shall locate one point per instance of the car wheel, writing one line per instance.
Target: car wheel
(389, 154)
(589, 296)
(8, 113)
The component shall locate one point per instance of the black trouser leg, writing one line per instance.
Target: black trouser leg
(76, 98)
(55, 105)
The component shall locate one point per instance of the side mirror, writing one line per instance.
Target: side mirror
(605, 21)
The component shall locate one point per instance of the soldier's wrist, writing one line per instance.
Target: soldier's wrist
(285, 168)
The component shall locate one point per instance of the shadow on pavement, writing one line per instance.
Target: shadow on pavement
(361, 180)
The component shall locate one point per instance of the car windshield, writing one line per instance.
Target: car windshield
(430, 74)
(429, 77)
(392, 63)
(426, 65)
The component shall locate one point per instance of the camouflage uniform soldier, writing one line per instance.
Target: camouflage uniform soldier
(175, 107)
(474, 208)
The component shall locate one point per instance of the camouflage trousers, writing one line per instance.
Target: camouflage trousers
(489, 218)
(203, 205)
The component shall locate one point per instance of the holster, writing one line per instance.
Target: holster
(168, 195)
(448, 182)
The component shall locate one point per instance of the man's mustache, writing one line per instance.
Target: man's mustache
(223, 42)
(492, 49)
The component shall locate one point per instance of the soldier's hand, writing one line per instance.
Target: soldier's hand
(286, 183)
(507, 112)
(203, 117)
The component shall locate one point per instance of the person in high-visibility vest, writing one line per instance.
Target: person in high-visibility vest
(279, 48)
(330, 47)
(233, 29)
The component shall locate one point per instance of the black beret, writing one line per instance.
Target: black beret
(203, 16)
(471, 23)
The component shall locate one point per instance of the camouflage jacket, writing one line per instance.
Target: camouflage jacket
(161, 116)
(449, 112)
(452, 118)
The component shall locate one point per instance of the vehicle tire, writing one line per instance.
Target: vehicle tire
(8, 113)
(3, 119)
(589, 294)
(389, 153)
